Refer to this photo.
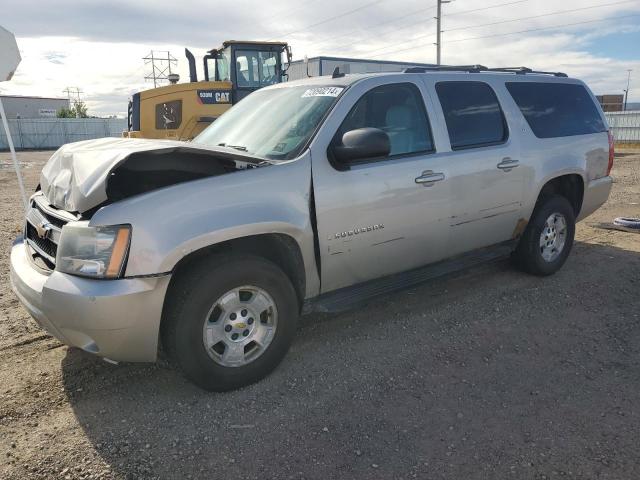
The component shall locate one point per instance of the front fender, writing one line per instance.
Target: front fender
(172, 222)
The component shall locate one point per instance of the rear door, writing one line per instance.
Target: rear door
(487, 187)
(378, 216)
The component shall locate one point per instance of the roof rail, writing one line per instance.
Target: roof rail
(446, 68)
(479, 68)
(525, 70)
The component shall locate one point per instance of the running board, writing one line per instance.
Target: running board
(347, 298)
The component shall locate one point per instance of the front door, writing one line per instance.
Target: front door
(380, 216)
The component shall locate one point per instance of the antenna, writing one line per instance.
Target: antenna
(161, 63)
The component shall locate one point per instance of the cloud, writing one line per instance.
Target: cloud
(98, 46)
(55, 57)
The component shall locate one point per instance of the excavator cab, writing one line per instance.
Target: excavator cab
(180, 111)
(247, 65)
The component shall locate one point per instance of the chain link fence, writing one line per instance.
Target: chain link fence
(625, 126)
(51, 133)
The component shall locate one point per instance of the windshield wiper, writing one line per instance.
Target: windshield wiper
(242, 148)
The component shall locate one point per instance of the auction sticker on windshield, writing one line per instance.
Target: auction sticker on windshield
(323, 92)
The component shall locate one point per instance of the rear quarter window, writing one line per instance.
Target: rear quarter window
(557, 109)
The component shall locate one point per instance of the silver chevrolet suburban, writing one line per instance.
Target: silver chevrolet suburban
(312, 195)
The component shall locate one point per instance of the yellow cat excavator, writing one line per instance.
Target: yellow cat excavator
(180, 111)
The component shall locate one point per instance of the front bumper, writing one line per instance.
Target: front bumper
(116, 319)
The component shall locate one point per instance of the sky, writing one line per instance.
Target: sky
(99, 46)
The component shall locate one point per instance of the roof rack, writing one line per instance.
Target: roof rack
(478, 69)
(446, 68)
(525, 70)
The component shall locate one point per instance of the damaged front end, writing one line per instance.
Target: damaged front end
(80, 177)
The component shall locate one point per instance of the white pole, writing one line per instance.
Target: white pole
(16, 165)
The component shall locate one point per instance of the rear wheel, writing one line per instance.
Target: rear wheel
(230, 321)
(548, 238)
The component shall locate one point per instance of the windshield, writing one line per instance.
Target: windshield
(256, 69)
(273, 123)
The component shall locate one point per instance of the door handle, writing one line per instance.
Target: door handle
(507, 164)
(428, 178)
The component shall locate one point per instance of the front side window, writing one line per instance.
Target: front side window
(398, 110)
(557, 109)
(472, 114)
(273, 124)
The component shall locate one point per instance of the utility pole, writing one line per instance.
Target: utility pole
(439, 27)
(626, 92)
(161, 63)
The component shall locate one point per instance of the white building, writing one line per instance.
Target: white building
(17, 106)
(318, 66)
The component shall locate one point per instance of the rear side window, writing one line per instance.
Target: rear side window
(397, 109)
(472, 113)
(556, 109)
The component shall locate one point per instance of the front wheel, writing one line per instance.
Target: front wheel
(230, 321)
(548, 238)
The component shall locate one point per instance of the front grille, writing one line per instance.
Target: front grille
(43, 229)
(45, 244)
(58, 222)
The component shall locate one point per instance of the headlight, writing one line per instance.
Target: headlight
(97, 252)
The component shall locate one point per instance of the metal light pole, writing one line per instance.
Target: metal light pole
(626, 92)
(439, 27)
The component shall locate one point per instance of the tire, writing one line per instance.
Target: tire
(194, 308)
(538, 251)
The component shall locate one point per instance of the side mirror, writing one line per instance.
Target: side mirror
(362, 143)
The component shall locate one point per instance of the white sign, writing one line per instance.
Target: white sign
(9, 55)
(323, 92)
(47, 112)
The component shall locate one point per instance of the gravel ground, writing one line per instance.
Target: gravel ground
(491, 374)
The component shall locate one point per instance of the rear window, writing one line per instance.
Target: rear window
(472, 114)
(557, 109)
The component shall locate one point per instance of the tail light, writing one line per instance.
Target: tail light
(611, 152)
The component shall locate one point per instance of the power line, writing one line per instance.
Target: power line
(557, 12)
(427, 35)
(492, 23)
(386, 22)
(289, 12)
(330, 19)
(420, 21)
(483, 8)
(520, 31)
(544, 28)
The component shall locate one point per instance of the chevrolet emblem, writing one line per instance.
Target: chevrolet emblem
(42, 229)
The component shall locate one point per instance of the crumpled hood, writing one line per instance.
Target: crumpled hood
(75, 177)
